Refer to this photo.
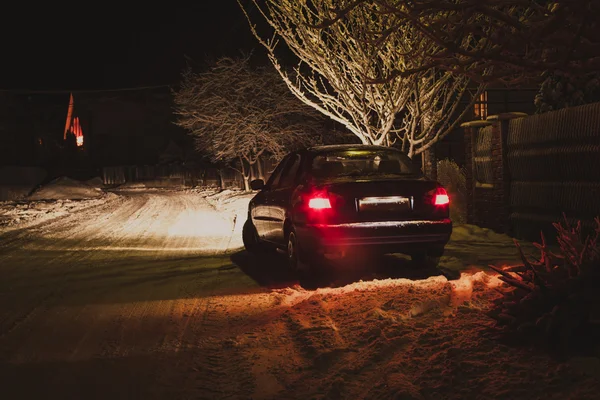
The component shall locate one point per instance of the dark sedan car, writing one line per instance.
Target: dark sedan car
(328, 202)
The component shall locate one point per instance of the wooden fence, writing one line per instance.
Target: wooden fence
(177, 176)
(536, 168)
(171, 176)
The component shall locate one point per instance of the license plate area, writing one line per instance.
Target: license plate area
(384, 204)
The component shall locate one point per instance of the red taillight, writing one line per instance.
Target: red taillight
(441, 197)
(319, 203)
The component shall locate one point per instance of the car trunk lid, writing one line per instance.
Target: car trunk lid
(379, 199)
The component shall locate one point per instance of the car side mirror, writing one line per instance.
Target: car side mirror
(257, 184)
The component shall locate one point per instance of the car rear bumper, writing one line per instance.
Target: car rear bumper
(384, 237)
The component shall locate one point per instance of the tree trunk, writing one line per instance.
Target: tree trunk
(245, 176)
(429, 163)
(221, 181)
(261, 171)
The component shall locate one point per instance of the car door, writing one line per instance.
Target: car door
(279, 200)
(261, 214)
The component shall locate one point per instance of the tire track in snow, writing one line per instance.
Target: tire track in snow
(73, 230)
(128, 323)
(69, 233)
(131, 320)
(140, 214)
(68, 227)
(101, 327)
(207, 367)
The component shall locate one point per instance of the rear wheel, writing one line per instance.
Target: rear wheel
(296, 259)
(426, 258)
(250, 238)
(292, 252)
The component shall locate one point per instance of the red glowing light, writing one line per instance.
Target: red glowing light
(441, 197)
(319, 203)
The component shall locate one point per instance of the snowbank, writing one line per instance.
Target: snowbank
(58, 198)
(96, 182)
(395, 339)
(20, 214)
(154, 185)
(66, 189)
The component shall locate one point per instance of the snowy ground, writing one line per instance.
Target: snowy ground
(145, 294)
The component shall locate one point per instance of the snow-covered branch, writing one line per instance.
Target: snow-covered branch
(339, 63)
(233, 110)
(440, 101)
(506, 41)
(334, 64)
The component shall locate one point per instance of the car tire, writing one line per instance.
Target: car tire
(295, 258)
(250, 238)
(425, 260)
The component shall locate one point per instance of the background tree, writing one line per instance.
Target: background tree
(507, 41)
(560, 90)
(438, 102)
(238, 113)
(337, 63)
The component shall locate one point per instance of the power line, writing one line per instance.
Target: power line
(66, 91)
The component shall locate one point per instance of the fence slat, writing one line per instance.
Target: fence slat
(554, 164)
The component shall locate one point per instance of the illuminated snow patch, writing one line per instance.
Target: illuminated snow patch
(201, 249)
(200, 224)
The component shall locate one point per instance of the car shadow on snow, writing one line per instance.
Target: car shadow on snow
(267, 270)
(270, 270)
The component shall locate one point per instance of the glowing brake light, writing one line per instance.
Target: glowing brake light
(441, 197)
(319, 203)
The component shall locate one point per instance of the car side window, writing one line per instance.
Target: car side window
(291, 172)
(273, 181)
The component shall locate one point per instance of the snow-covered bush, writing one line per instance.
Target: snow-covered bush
(453, 178)
(556, 300)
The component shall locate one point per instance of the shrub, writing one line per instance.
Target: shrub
(453, 178)
(555, 300)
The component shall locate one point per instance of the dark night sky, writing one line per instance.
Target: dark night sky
(89, 47)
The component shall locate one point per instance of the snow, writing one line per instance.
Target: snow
(232, 204)
(66, 189)
(150, 291)
(58, 198)
(392, 338)
(131, 186)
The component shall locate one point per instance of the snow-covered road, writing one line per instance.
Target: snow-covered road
(103, 300)
(144, 297)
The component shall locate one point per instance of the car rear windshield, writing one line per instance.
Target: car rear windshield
(362, 163)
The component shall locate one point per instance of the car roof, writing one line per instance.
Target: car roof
(350, 147)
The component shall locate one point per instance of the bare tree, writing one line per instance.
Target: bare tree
(239, 113)
(330, 75)
(435, 109)
(337, 62)
(507, 41)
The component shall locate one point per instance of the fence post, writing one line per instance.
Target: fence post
(470, 130)
(501, 171)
